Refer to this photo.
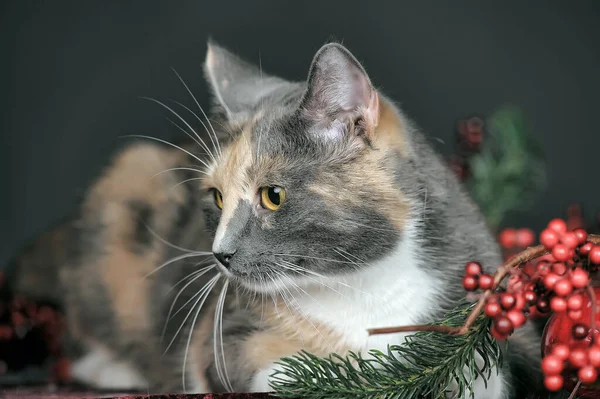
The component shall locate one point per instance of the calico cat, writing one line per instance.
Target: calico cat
(316, 210)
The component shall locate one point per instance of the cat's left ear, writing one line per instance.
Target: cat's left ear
(339, 93)
(238, 86)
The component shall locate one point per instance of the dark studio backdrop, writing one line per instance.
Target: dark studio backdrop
(72, 73)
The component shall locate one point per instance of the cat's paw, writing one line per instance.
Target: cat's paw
(120, 375)
(99, 369)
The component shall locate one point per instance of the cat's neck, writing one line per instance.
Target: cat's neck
(395, 290)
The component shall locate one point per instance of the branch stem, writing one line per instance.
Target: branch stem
(501, 273)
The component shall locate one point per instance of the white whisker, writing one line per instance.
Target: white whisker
(210, 284)
(215, 143)
(141, 136)
(218, 336)
(173, 169)
(205, 291)
(197, 274)
(155, 234)
(175, 259)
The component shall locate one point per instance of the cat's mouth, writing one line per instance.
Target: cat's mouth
(257, 277)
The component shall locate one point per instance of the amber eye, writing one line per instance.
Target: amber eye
(272, 197)
(218, 198)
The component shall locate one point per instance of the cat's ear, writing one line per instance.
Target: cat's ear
(238, 86)
(339, 92)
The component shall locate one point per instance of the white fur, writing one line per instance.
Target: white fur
(392, 292)
(99, 369)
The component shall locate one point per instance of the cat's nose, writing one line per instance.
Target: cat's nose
(224, 258)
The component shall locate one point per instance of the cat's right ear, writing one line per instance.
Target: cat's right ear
(237, 85)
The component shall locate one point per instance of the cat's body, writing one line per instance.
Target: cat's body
(328, 213)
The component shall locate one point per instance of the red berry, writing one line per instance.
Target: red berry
(507, 301)
(486, 282)
(525, 237)
(586, 248)
(550, 280)
(558, 225)
(587, 374)
(578, 357)
(558, 304)
(516, 317)
(552, 365)
(563, 287)
(543, 306)
(503, 325)
(569, 239)
(553, 382)
(508, 238)
(575, 302)
(559, 268)
(473, 269)
(594, 254)
(470, 283)
(492, 309)
(579, 278)
(594, 355)
(562, 351)
(549, 238)
(579, 331)
(543, 268)
(530, 297)
(560, 252)
(515, 283)
(581, 235)
(497, 335)
(520, 301)
(575, 314)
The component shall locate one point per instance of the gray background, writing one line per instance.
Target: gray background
(72, 72)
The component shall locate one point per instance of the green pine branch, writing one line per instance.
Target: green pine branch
(426, 365)
(509, 172)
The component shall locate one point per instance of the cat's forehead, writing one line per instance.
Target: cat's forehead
(260, 150)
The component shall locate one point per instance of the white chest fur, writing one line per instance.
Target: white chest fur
(394, 291)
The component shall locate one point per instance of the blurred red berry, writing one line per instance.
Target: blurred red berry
(586, 248)
(558, 225)
(493, 309)
(525, 237)
(581, 235)
(486, 282)
(508, 238)
(558, 304)
(470, 283)
(579, 278)
(516, 317)
(553, 382)
(578, 357)
(473, 269)
(594, 254)
(563, 287)
(569, 239)
(587, 374)
(503, 325)
(549, 238)
(552, 365)
(560, 252)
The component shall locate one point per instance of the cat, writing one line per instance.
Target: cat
(309, 212)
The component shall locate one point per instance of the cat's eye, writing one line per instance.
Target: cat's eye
(272, 197)
(218, 198)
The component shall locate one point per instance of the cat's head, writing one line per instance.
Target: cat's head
(306, 185)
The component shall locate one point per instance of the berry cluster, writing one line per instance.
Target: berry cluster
(470, 134)
(30, 333)
(556, 283)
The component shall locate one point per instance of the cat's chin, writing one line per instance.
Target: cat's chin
(264, 285)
